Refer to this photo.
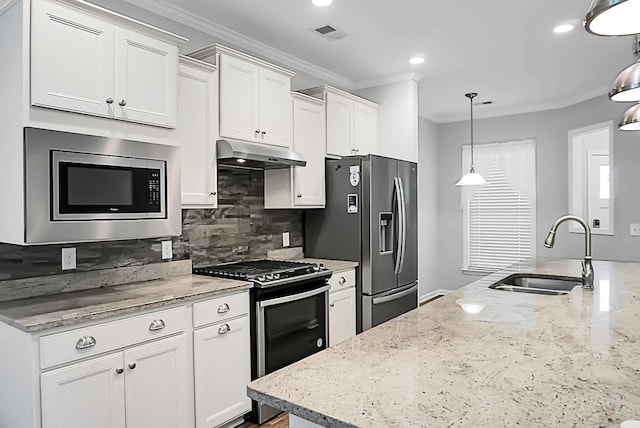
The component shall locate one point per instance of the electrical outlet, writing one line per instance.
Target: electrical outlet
(68, 258)
(634, 229)
(167, 250)
(285, 239)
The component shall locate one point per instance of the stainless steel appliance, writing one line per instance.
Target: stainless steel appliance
(371, 218)
(242, 154)
(289, 316)
(87, 188)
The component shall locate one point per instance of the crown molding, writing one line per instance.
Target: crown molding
(386, 80)
(6, 4)
(192, 20)
(457, 117)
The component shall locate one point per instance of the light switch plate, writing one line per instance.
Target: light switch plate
(285, 239)
(167, 250)
(68, 258)
(634, 229)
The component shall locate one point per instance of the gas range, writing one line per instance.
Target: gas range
(266, 273)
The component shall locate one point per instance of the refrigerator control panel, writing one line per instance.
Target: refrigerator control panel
(352, 203)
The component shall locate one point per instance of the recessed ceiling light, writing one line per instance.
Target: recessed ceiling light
(564, 28)
(322, 2)
(417, 59)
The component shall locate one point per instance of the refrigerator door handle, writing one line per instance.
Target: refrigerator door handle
(403, 219)
(392, 297)
(399, 238)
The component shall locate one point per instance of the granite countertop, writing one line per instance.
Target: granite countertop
(525, 360)
(40, 313)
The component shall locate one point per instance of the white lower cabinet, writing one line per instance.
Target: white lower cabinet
(342, 306)
(145, 386)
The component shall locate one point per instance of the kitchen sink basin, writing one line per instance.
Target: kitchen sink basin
(537, 284)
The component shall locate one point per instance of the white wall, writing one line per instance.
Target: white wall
(550, 131)
(427, 210)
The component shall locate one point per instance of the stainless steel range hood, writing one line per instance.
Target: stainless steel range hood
(242, 154)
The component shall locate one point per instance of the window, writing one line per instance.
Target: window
(499, 218)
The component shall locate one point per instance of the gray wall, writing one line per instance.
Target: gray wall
(549, 129)
(240, 228)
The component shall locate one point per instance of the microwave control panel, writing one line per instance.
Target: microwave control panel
(154, 189)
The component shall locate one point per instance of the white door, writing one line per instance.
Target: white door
(222, 371)
(196, 132)
(342, 315)
(339, 125)
(275, 108)
(598, 188)
(71, 60)
(309, 141)
(145, 79)
(365, 129)
(89, 394)
(156, 384)
(239, 103)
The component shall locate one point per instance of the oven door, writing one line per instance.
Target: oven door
(291, 327)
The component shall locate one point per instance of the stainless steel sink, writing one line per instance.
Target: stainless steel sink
(537, 284)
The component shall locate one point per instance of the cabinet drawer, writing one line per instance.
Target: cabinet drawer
(87, 341)
(220, 308)
(341, 280)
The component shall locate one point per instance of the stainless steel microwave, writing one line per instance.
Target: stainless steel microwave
(88, 188)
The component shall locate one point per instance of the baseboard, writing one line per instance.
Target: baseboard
(434, 293)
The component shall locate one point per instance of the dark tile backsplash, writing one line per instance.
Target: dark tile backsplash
(240, 228)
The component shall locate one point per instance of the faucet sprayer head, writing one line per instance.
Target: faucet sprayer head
(551, 239)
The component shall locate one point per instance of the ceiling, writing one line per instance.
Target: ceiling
(503, 49)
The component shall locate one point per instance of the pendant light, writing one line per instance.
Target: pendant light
(613, 17)
(472, 178)
(631, 119)
(626, 87)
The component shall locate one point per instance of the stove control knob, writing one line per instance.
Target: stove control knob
(261, 278)
(276, 276)
(269, 277)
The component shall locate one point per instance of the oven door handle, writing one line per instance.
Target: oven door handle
(294, 297)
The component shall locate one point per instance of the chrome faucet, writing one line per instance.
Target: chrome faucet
(587, 268)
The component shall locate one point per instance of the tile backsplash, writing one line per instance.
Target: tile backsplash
(240, 228)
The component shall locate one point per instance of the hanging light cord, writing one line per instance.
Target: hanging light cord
(471, 96)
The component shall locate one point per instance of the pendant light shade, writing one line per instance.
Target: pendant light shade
(626, 87)
(631, 119)
(613, 17)
(472, 178)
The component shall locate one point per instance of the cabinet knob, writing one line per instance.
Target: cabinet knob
(263, 133)
(109, 100)
(332, 304)
(119, 371)
(132, 366)
(214, 193)
(122, 103)
(257, 131)
(156, 325)
(342, 280)
(223, 308)
(224, 329)
(299, 195)
(86, 342)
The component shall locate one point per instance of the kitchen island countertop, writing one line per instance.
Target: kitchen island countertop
(525, 360)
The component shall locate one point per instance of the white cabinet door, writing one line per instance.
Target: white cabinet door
(71, 60)
(365, 129)
(156, 384)
(309, 141)
(222, 372)
(89, 394)
(239, 103)
(275, 108)
(145, 79)
(196, 133)
(342, 315)
(339, 125)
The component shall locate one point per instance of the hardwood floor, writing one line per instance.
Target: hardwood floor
(281, 421)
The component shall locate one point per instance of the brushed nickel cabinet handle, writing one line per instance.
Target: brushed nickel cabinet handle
(213, 193)
(86, 342)
(299, 195)
(223, 308)
(132, 366)
(224, 329)
(119, 371)
(156, 325)
(332, 304)
(257, 132)
(122, 103)
(342, 280)
(263, 133)
(109, 100)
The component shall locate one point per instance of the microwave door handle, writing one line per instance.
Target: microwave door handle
(295, 297)
(398, 214)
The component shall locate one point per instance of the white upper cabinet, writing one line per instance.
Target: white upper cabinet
(301, 186)
(82, 62)
(197, 132)
(352, 122)
(255, 97)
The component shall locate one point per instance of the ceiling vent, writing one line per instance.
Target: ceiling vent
(329, 32)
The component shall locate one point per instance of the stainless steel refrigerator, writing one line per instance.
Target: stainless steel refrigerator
(370, 217)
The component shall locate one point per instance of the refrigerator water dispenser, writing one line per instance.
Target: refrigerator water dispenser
(386, 233)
